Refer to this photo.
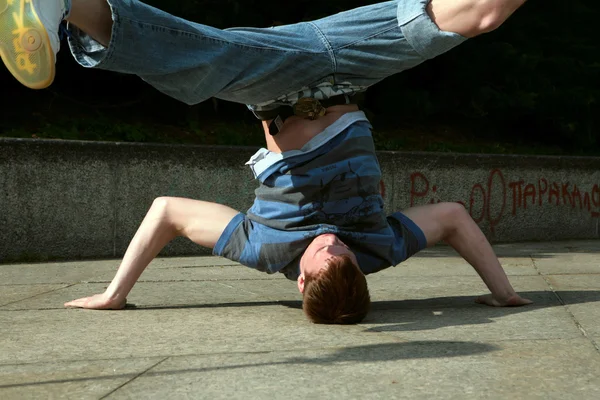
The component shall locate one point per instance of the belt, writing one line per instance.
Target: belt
(306, 107)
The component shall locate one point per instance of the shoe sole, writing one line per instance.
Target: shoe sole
(24, 44)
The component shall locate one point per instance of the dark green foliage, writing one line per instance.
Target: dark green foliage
(533, 81)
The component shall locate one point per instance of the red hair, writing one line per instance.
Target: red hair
(338, 294)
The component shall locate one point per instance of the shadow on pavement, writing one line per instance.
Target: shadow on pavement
(359, 354)
(440, 312)
(428, 314)
(541, 299)
(403, 315)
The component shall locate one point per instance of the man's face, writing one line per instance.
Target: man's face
(315, 257)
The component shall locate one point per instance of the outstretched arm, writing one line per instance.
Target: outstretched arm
(169, 217)
(451, 223)
(471, 18)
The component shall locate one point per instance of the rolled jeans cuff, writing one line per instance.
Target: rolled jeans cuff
(422, 33)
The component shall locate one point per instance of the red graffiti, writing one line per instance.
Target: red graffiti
(489, 202)
(382, 188)
(477, 189)
(596, 196)
(488, 209)
(418, 180)
(541, 191)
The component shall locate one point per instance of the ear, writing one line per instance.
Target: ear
(301, 283)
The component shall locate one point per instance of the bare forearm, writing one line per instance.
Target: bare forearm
(451, 223)
(199, 221)
(470, 243)
(152, 236)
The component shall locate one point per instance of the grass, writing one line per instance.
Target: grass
(433, 138)
(106, 129)
(49, 116)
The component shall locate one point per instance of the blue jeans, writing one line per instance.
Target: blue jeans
(193, 62)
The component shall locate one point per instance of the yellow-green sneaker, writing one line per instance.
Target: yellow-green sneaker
(29, 38)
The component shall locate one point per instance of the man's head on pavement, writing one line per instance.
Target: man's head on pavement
(334, 288)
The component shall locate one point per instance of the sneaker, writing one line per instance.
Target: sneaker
(29, 38)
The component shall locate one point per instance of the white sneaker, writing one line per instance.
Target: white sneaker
(29, 38)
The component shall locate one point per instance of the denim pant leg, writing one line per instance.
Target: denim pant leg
(373, 42)
(193, 62)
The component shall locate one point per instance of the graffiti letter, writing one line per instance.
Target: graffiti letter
(529, 192)
(596, 196)
(543, 191)
(576, 195)
(382, 188)
(413, 187)
(515, 201)
(517, 188)
(494, 221)
(554, 193)
(586, 202)
(566, 194)
(472, 202)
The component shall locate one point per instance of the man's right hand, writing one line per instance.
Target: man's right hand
(98, 302)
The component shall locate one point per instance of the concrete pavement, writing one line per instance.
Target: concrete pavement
(206, 328)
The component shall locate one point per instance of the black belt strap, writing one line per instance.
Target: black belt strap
(280, 114)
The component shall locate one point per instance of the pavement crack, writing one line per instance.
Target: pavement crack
(134, 378)
(234, 288)
(565, 306)
(201, 266)
(38, 294)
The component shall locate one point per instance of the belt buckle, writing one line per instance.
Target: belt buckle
(308, 107)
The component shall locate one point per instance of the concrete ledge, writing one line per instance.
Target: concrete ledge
(76, 200)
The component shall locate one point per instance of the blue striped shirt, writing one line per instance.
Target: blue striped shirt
(331, 185)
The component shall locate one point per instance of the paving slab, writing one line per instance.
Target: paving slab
(455, 265)
(36, 336)
(204, 327)
(582, 283)
(408, 370)
(475, 323)
(569, 264)
(15, 293)
(183, 262)
(547, 249)
(581, 293)
(71, 272)
(211, 268)
(206, 273)
(441, 292)
(171, 294)
(527, 249)
(446, 290)
(72, 380)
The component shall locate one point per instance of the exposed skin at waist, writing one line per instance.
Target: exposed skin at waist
(298, 131)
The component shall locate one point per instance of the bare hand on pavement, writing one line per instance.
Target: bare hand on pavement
(512, 301)
(98, 302)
